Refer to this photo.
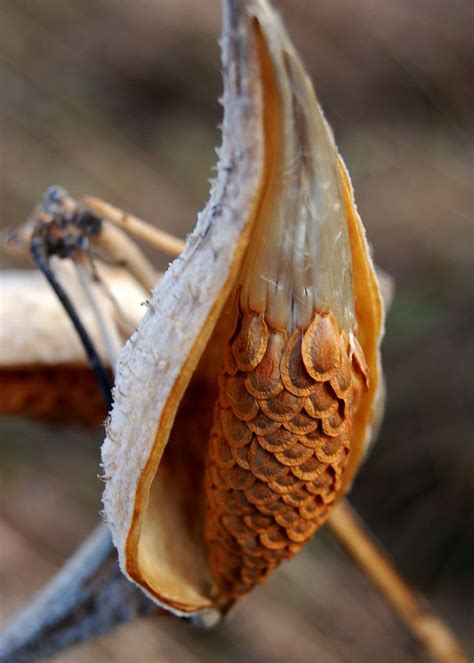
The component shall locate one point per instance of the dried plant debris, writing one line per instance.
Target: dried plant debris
(44, 373)
(246, 398)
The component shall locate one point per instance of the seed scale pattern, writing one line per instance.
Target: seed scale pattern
(279, 444)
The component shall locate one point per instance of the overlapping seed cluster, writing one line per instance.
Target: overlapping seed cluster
(278, 446)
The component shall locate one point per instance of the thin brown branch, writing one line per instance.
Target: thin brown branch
(105, 325)
(138, 228)
(126, 253)
(434, 635)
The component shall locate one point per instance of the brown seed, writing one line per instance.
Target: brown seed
(342, 380)
(336, 424)
(308, 470)
(322, 401)
(225, 559)
(294, 548)
(297, 497)
(251, 343)
(274, 539)
(258, 522)
(243, 405)
(287, 519)
(216, 477)
(359, 361)
(273, 508)
(262, 425)
(235, 525)
(285, 484)
(295, 455)
(321, 348)
(263, 464)
(256, 563)
(240, 455)
(265, 381)
(301, 424)
(234, 502)
(320, 484)
(223, 399)
(235, 431)
(312, 440)
(250, 576)
(224, 457)
(250, 543)
(238, 478)
(282, 407)
(301, 530)
(275, 555)
(230, 364)
(294, 375)
(260, 494)
(280, 440)
(310, 510)
(226, 540)
(330, 450)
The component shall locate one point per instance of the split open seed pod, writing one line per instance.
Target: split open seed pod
(246, 398)
(44, 372)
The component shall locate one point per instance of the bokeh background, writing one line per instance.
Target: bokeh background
(119, 99)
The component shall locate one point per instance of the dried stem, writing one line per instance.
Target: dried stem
(104, 324)
(40, 256)
(138, 228)
(88, 597)
(433, 634)
(127, 254)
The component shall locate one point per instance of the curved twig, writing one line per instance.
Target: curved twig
(88, 597)
(40, 257)
(432, 633)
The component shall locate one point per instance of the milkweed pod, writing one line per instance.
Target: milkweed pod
(245, 399)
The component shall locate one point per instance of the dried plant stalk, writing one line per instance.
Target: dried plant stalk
(436, 638)
(136, 227)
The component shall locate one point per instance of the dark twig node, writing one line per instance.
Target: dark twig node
(63, 230)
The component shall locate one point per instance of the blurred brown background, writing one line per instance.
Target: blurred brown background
(118, 99)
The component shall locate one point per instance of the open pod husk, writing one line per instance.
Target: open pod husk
(256, 367)
(44, 372)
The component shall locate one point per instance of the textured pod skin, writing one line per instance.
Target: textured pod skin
(279, 444)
